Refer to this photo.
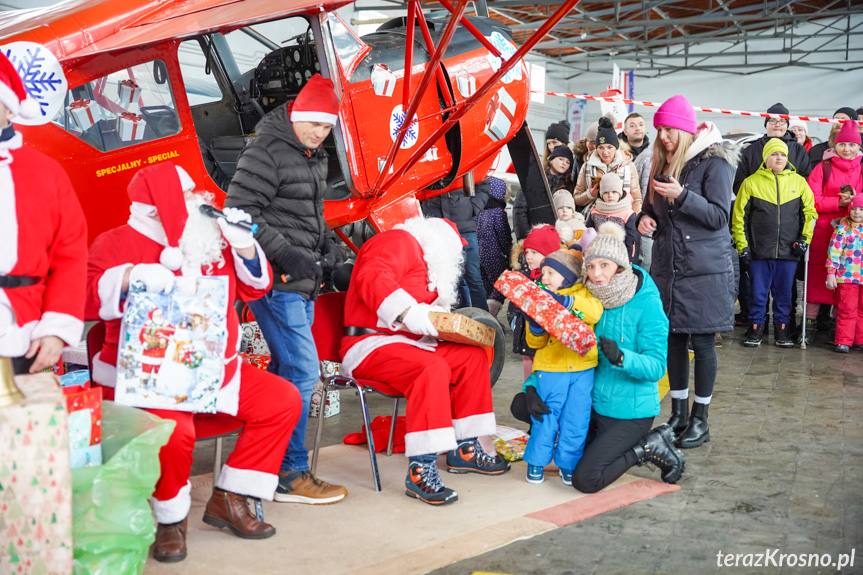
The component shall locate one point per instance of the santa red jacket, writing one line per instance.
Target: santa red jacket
(390, 275)
(42, 234)
(115, 251)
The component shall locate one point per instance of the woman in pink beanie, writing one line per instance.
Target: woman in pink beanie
(687, 208)
(828, 180)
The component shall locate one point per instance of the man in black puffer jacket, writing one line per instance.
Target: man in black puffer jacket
(280, 181)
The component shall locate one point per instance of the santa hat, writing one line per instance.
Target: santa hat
(316, 102)
(12, 92)
(438, 223)
(162, 186)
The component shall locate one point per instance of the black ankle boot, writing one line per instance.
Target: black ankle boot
(657, 447)
(679, 415)
(697, 432)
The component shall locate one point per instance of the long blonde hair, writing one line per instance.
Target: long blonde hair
(661, 165)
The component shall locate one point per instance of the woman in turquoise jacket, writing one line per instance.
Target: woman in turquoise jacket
(633, 341)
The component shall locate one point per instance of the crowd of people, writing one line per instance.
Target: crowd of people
(639, 248)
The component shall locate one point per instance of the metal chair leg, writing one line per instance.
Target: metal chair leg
(217, 463)
(393, 426)
(319, 430)
(369, 438)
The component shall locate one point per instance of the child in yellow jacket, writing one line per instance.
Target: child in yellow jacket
(564, 379)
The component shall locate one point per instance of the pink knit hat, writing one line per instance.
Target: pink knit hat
(856, 202)
(676, 112)
(849, 133)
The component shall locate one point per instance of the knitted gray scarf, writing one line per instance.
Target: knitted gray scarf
(617, 292)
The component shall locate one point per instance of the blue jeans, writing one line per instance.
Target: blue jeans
(285, 319)
(776, 278)
(471, 290)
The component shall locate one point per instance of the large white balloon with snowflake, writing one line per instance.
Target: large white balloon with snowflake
(397, 118)
(507, 50)
(43, 79)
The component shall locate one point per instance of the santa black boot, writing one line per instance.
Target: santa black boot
(657, 447)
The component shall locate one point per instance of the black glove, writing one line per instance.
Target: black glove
(535, 406)
(799, 248)
(745, 256)
(611, 351)
(298, 266)
(331, 256)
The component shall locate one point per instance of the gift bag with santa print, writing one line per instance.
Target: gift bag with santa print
(84, 405)
(544, 309)
(172, 346)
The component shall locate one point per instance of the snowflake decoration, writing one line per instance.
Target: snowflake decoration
(397, 118)
(37, 82)
(507, 50)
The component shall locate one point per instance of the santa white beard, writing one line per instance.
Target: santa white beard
(202, 241)
(443, 254)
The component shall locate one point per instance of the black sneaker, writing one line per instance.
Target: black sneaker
(469, 457)
(781, 337)
(754, 335)
(423, 483)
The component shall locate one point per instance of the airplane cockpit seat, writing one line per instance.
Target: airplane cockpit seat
(225, 152)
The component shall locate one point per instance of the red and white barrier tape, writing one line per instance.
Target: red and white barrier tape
(700, 109)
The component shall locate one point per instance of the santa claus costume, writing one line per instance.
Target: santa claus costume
(267, 405)
(43, 242)
(399, 276)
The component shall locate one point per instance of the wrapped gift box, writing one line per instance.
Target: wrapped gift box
(466, 84)
(544, 309)
(84, 405)
(253, 340)
(458, 328)
(35, 480)
(130, 126)
(332, 405)
(260, 361)
(128, 93)
(383, 81)
(500, 113)
(82, 111)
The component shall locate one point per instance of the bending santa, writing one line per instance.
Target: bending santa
(399, 276)
(167, 236)
(43, 243)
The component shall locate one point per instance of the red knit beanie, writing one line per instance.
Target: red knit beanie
(316, 102)
(543, 239)
(849, 133)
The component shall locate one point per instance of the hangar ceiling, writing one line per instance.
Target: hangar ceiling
(666, 36)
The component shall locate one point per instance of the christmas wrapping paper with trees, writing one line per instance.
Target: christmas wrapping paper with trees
(35, 481)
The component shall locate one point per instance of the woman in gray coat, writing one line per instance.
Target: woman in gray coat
(687, 209)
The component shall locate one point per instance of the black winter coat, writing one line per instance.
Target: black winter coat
(281, 184)
(751, 158)
(459, 209)
(692, 245)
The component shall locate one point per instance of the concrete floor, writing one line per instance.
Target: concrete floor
(783, 472)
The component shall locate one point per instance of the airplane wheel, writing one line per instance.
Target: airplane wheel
(497, 353)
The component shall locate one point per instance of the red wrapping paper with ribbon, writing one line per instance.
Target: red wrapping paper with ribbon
(83, 114)
(544, 309)
(130, 126)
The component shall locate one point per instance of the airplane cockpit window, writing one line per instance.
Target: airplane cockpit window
(122, 109)
(347, 45)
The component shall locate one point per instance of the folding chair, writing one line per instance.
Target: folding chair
(207, 426)
(327, 331)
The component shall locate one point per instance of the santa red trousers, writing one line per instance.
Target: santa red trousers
(269, 408)
(448, 392)
(849, 319)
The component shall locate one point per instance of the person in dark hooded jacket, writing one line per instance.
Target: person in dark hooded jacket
(280, 181)
(688, 214)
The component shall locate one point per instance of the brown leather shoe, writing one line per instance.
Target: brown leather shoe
(170, 544)
(226, 509)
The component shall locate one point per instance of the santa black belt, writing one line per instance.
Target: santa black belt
(353, 331)
(8, 282)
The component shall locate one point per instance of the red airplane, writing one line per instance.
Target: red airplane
(127, 83)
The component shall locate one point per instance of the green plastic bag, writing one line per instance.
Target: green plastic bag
(112, 524)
